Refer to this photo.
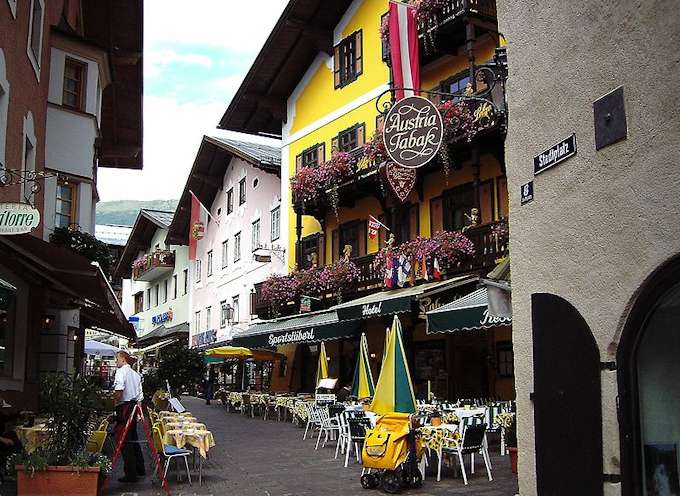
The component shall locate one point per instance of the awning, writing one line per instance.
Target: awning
(302, 328)
(393, 301)
(93, 347)
(467, 313)
(156, 346)
(161, 332)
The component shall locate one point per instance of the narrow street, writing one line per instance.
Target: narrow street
(269, 458)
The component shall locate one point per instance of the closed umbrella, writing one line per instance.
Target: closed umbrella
(322, 367)
(96, 348)
(394, 391)
(362, 385)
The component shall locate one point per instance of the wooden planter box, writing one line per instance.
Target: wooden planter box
(58, 481)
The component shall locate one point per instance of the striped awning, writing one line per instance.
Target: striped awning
(471, 312)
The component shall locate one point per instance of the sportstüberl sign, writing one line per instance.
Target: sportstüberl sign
(413, 131)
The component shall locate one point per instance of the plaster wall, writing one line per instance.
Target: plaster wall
(602, 221)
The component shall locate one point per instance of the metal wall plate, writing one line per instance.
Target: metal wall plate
(610, 119)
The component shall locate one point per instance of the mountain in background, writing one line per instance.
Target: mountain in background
(124, 212)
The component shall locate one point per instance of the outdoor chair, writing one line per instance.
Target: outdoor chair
(357, 434)
(473, 441)
(329, 426)
(95, 442)
(343, 435)
(313, 419)
(247, 405)
(491, 413)
(169, 452)
(269, 406)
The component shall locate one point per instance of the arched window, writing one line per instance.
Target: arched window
(4, 109)
(649, 387)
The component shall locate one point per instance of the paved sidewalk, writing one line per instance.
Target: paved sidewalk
(253, 457)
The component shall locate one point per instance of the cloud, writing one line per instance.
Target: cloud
(156, 60)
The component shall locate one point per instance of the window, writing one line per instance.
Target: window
(385, 48)
(350, 234)
(210, 263)
(230, 201)
(186, 281)
(65, 211)
(276, 223)
(174, 286)
(156, 290)
(35, 34)
(165, 291)
(8, 297)
(139, 302)
(456, 84)
(457, 204)
(198, 270)
(148, 298)
(225, 253)
(208, 318)
(197, 322)
(13, 7)
(311, 251)
(505, 359)
(4, 107)
(256, 235)
(350, 139)
(224, 310)
(347, 60)
(242, 191)
(75, 73)
(234, 304)
(311, 157)
(237, 247)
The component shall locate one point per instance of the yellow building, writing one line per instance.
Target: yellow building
(321, 81)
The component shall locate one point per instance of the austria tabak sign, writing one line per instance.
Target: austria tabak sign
(18, 218)
(413, 132)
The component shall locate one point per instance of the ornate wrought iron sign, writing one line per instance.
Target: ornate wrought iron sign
(413, 132)
(18, 218)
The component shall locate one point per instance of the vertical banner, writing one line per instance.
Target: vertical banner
(404, 49)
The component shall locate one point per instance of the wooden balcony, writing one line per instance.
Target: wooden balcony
(488, 251)
(153, 265)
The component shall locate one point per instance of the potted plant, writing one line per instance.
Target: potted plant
(508, 422)
(62, 465)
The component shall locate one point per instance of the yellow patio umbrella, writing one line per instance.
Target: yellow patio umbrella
(229, 352)
(362, 385)
(387, 343)
(322, 367)
(394, 391)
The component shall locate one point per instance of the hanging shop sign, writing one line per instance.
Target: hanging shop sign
(162, 318)
(305, 304)
(555, 154)
(402, 180)
(413, 132)
(18, 218)
(526, 194)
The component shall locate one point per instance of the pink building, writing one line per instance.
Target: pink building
(240, 183)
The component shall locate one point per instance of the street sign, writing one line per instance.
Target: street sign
(526, 194)
(18, 218)
(555, 154)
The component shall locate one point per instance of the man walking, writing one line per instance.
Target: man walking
(127, 387)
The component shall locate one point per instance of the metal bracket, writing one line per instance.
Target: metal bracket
(607, 365)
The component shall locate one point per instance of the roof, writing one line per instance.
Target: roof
(304, 29)
(206, 177)
(61, 270)
(147, 223)
(112, 234)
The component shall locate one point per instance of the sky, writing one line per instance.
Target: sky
(194, 61)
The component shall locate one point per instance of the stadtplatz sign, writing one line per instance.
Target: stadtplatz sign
(555, 154)
(18, 218)
(413, 132)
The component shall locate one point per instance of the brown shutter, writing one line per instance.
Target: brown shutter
(358, 50)
(379, 121)
(335, 144)
(486, 202)
(321, 249)
(321, 153)
(436, 216)
(414, 223)
(336, 244)
(361, 135)
(336, 65)
(382, 233)
(298, 162)
(502, 183)
(363, 231)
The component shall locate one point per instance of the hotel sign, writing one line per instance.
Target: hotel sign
(413, 132)
(555, 154)
(387, 306)
(18, 218)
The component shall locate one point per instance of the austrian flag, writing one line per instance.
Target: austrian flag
(197, 223)
(403, 38)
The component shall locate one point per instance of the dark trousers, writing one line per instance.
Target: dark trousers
(133, 459)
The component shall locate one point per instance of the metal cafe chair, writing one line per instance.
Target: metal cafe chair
(357, 430)
(473, 441)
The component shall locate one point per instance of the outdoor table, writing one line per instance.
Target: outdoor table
(32, 437)
(202, 440)
(186, 425)
(462, 413)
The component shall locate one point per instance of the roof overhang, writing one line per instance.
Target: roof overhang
(140, 238)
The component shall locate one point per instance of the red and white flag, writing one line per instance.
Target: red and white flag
(404, 49)
(374, 227)
(197, 223)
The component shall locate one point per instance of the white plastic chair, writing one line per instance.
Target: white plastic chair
(327, 426)
(313, 419)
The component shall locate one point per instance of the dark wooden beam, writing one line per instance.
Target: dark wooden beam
(322, 38)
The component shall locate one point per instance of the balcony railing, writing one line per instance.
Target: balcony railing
(490, 248)
(153, 265)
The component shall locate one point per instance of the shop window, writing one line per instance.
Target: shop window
(350, 138)
(230, 201)
(276, 224)
(255, 235)
(8, 297)
(348, 60)
(505, 362)
(139, 302)
(65, 211)
(75, 73)
(311, 157)
(242, 191)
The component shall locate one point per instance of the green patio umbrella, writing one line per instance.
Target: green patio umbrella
(362, 385)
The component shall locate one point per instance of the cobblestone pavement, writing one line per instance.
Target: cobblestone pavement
(253, 457)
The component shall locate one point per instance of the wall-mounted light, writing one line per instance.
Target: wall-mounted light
(48, 321)
(372, 355)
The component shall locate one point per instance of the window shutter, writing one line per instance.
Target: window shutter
(321, 249)
(361, 236)
(335, 144)
(486, 202)
(321, 153)
(336, 65)
(413, 221)
(359, 61)
(336, 244)
(361, 134)
(436, 216)
(298, 162)
(502, 183)
(382, 233)
(379, 121)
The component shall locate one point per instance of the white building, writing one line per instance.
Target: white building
(240, 184)
(155, 280)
